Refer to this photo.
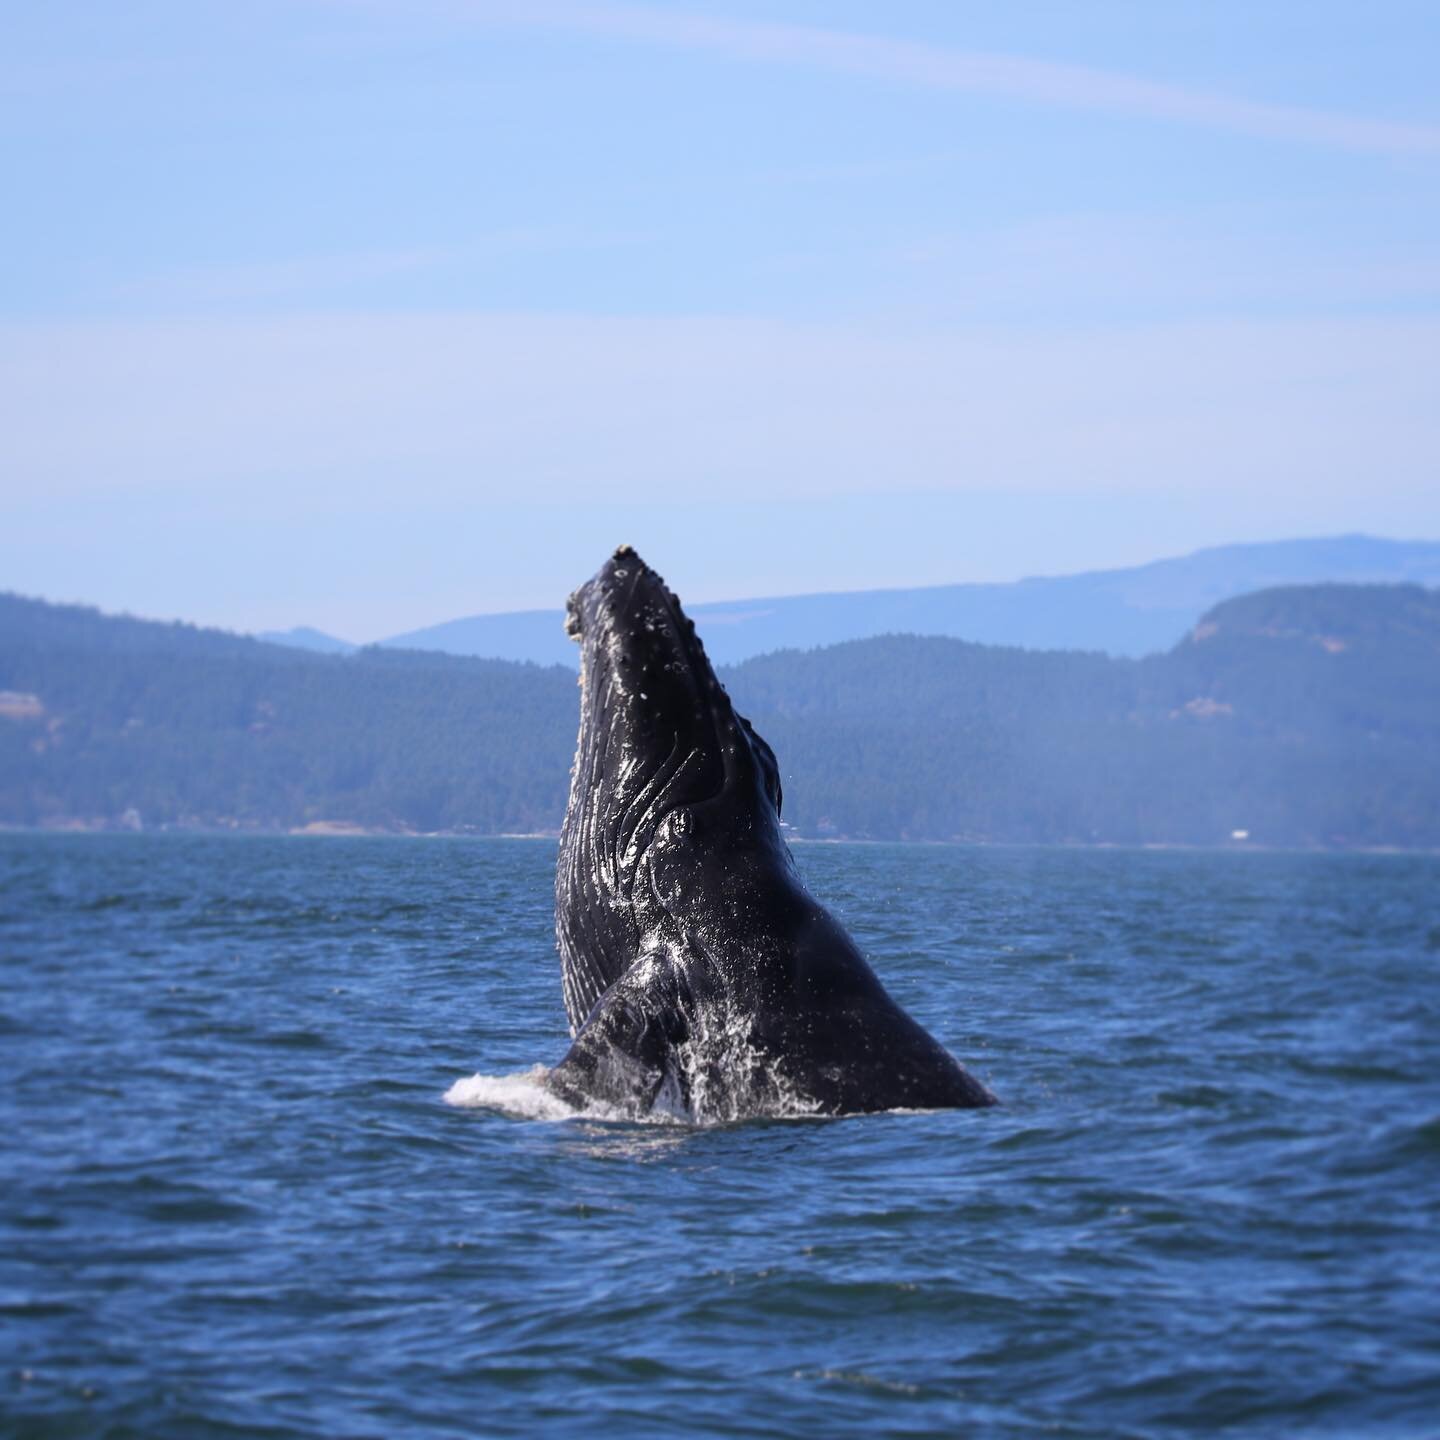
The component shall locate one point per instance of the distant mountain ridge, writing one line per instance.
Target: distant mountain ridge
(307, 637)
(1129, 612)
(1295, 716)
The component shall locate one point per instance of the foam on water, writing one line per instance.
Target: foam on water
(522, 1095)
(525, 1096)
(718, 1077)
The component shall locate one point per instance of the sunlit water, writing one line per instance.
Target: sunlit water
(234, 1201)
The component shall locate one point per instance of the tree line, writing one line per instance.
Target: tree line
(1298, 716)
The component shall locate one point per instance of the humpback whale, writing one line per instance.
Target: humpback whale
(700, 976)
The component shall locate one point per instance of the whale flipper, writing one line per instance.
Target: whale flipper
(625, 1053)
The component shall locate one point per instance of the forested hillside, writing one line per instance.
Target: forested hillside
(1306, 716)
(195, 727)
(1303, 716)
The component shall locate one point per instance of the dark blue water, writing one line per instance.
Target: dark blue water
(233, 1201)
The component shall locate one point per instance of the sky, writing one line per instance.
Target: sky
(369, 314)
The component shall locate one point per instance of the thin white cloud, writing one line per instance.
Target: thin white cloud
(354, 409)
(940, 67)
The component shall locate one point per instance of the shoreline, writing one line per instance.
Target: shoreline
(335, 830)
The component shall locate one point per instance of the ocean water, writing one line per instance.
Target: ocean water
(234, 1200)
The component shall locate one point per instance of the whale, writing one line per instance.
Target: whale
(701, 979)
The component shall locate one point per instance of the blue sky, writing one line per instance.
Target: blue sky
(371, 313)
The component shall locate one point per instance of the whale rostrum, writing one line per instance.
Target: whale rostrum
(700, 976)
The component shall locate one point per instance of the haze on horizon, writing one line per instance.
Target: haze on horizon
(368, 314)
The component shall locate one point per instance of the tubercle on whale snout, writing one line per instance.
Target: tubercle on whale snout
(574, 625)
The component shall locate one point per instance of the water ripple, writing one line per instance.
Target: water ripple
(236, 1204)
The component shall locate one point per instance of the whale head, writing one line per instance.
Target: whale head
(664, 767)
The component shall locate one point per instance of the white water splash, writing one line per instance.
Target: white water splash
(719, 1071)
(522, 1095)
(728, 1078)
(525, 1096)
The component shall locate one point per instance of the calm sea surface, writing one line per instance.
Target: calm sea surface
(233, 1200)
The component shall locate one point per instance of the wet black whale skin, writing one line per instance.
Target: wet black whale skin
(700, 975)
